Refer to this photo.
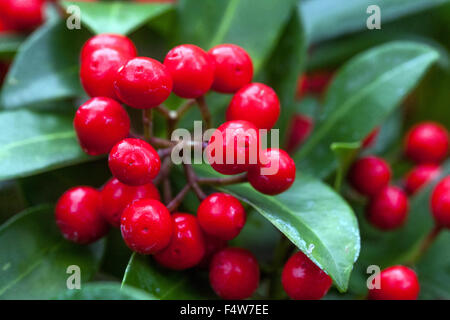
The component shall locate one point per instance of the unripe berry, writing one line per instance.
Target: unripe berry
(303, 280)
(388, 209)
(396, 283)
(420, 176)
(24, 15)
(78, 215)
(256, 103)
(143, 83)
(116, 196)
(146, 226)
(301, 128)
(440, 203)
(275, 173)
(187, 247)
(100, 123)
(192, 70)
(234, 274)
(238, 138)
(99, 70)
(369, 175)
(233, 68)
(134, 162)
(427, 142)
(108, 40)
(371, 138)
(221, 215)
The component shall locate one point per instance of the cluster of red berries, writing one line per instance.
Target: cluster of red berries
(111, 72)
(427, 145)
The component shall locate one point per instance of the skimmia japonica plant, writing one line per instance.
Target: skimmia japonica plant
(223, 149)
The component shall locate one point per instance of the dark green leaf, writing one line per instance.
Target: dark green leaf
(316, 219)
(45, 68)
(9, 44)
(34, 256)
(34, 142)
(345, 154)
(363, 93)
(325, 19)
(117, 17)
(105, 291)
(145, 274)
(255, 25)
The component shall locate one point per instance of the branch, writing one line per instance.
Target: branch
(192, 180)
(147, 123)
(206, 115)
(173, 205)
(224, 181)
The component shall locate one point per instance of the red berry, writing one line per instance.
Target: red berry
(369, 175)
(116, 196)
(108, 40)
(212, 246)
(100, 123)
(388, 209)
(421, 175)
(146, 226)
(99, 70)
(256, 103)
(396, 283)
(134, 162)
(187, 247)
(143, 83)
(5, 25)
(233, 68)
(300, 130)
(371, 138)
(275, 174)
(22, 14)
(234, 147)
(78, 215)
(440, 203)
(192, 70)
(427, 142)
(221, 215)
(234, 273)
(303, 280)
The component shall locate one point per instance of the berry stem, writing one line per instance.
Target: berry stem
(164, 171)
(185, 107)
(192, 180)
(147, 115)
(224, 181)
(206, 115)
(167, 190)
(173, 205)
(426, 243)
(161, 143)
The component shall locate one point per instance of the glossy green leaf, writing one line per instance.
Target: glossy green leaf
(345, 154)
(325, 19)
(105, 291)
(363, 93)
(33, 142)
(34, 256)
(121, 17)
(163, 284)
(315, 218)
(45, 68)
(254, 25)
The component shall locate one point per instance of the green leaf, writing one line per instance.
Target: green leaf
(284, 67)
(163, 284)
(9, 44)
(311, 215)
(117, 16)
(105, 291)
(434, 270)
(325, 19)
(33, 142)
(363, 93)
(345, 154)
(34, 256)
(255, 25)
(45, 68)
